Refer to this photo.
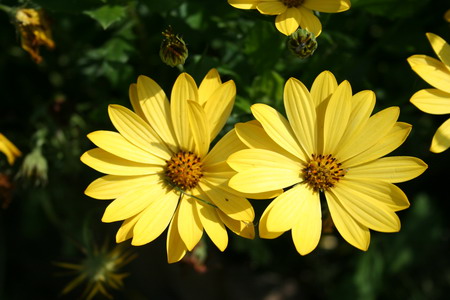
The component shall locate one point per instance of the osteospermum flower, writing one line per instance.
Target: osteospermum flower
(434, 101)
(294, 13)
(160, 170)
(9, 149)
(328, 144)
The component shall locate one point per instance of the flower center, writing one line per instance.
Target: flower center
(292, 3)
(323, 172)
(184, 170)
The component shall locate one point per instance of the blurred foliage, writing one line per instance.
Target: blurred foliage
(101, 46)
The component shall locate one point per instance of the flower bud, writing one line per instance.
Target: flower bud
(173, 50)
(302, 43)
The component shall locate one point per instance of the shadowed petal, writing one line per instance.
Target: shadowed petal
(327, 6)
(241, 228)
(309, 21)
(213, 225)
(271, 7)
(243, 4)
(209, 84)
(432, 71)
(189, 226)
(440, 47)
(175, 247)
(199, 127)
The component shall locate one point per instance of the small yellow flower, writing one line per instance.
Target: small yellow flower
(34, 31)
(294, 13)
(437, 100)
(328, 144)
(9, 149)
(161, 172)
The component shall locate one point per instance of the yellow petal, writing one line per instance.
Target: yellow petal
(213, 225)
(133, 202)
(327, 6)
(309, 21)
(189, 225)
(175, 247)
(288, 22)
(432, 71)
(243, 4)
(125, 231)
(352, 231)
(432, 101)
(234, 206)
(373, 214)
(209, 84)
(393, 139)
(336, 117)
(259, 158)
(242, 228)
(155, 219)
(271, 7)
(219, 106)
(263, 230)
(290, 207)
(9, 149)
(227, 145)
(183, 89)
(440, 47)
(390, 169)
(108, 163)
(301, 114)
(441, 139)
(134, 99)
(200, 130)
(116, 144)
(278, 128)
(156, 108)
(306, 232)
(112, 186)
(137, 131)
(258, 180)
(323, 87)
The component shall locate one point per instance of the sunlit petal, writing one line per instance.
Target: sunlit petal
(309, 21)
(243, 4)
(259, 158)
(432, 101)
(175, 247)
(441, 139)
(213, 225)
(327, 6)
(199, 128)
(432, 71)
(288, 22)
(440, 47)
(189, 225)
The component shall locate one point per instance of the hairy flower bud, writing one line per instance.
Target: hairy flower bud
(173, 49)
(302, 43)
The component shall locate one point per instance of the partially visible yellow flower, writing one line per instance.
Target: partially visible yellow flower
(161, 172)
(34, 31)
(294, 13)
(328, 144)
(447, 16)
(437, 100)
(9, 149)
(99, 271)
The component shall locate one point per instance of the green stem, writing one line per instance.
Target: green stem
(6, 9)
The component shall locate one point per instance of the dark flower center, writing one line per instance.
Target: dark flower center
(323, 172)
(184, 170)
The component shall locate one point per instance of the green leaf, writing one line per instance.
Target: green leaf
(107, 15)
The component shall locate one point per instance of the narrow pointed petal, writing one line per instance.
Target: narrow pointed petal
(227, 145)
(134, 99)
(306, 232)
(189, 224)
(234, 206)
(386, 145)
(262, 227)
(156, 108)
(432, 71)
(125, 231)
(290, 207)
(440, 47)
(112, 186)
(259, 158)
(327, 6)
(155, 219)
(218, 107)
(213, 225)
(309, 21)
(116, 144)
(279, 129)
(258, 180)
(133, 202)
(301, 113)
(209, 84)
(432, 101)
(353, 232)
(107, 163)
(243, 4)
(175, 247)
(137, 131)
(288, 22)
(362, 208)
(323, 87)
(390, 169)
(441, 139)
(199, 128)
(242, 228)
(271, 7)
(336, 117)
(183, 89)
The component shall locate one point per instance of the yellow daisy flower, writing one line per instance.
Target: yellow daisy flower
(329, 143)
(294, 13)
(9, 149)
(434, 101)
(160, 170)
